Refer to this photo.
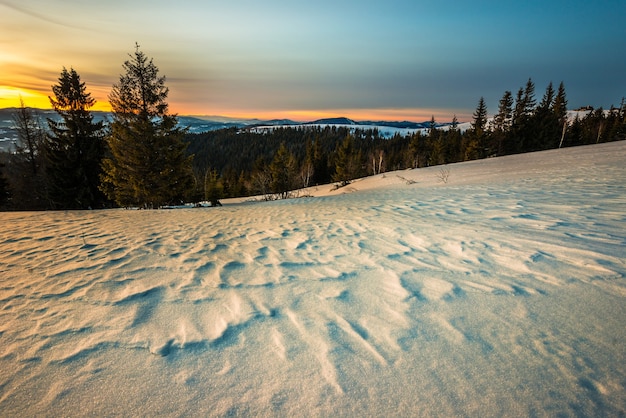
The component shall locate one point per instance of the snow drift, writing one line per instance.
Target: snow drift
(500, 292)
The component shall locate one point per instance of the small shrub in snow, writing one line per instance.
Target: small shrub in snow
(444, 174)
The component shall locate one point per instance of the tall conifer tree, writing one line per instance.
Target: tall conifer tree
(559, 106)
(148, 165)
(347, 161)
(523, 127)
(502, 123)
(283, 172)
(502, 120)
(548, 99)
(529, 101)
(547, 123)
(74, 146)
(518, 111)
(478, 134)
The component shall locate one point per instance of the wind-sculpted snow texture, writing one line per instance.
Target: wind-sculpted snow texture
(499, 293)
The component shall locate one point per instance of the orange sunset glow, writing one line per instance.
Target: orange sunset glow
(13, 97)
(391, 63)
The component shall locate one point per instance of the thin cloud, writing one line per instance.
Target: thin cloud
(40, 16)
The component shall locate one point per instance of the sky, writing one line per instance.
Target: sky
(392, 60)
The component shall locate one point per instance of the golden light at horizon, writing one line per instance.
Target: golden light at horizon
(12, 97)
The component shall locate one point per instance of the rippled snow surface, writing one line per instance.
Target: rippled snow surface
(499, 293)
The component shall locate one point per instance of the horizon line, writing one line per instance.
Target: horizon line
(305, 116)
(38, 100)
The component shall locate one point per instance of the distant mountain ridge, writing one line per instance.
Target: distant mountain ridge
(332, 121)
(389, 124)
(200, 123)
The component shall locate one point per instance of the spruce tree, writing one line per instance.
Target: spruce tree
(502, 120)
(213, 187)
(502, 123)
(415, 155)
(479, 122)
(347, 161)
(283, 172)
(453, 141)
(307, 169)
(529, 101)
(548, 119)
(523, 129)
(559, 108)
(548, 99)
(438, 150)
(148, 165)
(518, 111)
(478, 135)
(321, 170)
(559, 105)
(74, 147)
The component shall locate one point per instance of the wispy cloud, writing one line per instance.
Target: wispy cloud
(20, 7)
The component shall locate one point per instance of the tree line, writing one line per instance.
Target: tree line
(142, 158)
(235, 162)
(139, 159)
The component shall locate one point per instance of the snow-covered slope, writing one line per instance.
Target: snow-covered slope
(501, 292)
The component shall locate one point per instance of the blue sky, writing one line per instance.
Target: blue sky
(361, 59)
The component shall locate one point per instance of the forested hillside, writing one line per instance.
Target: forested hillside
(238, 162)
(48, 169)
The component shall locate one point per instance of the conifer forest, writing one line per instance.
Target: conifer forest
(144, 159)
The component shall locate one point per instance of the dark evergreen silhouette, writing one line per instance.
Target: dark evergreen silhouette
(307, 168)
(283, 172)
(74, 147)
(347, 161)
(27, 164)
(213, 188)
(5, 192)
(147, 165)
(477, 143)
(502, 122)
(523, 129)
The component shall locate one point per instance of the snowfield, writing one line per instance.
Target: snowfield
(501, 292)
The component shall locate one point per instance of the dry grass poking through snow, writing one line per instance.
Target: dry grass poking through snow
(500, 292)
